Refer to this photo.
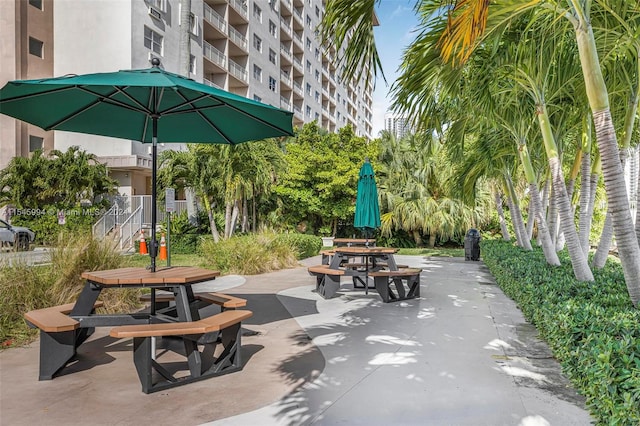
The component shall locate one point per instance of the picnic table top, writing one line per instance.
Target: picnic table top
(136, 276)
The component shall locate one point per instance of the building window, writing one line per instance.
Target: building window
(257, 43)
(257, 98)
(317, 96)
(152, 40)
(35, 143)
(272, 56)
(273, 29)
(317, 11)
(308, 43)
(308, 66)
(317, 75)
(257, 73)
(193, 24)
(272, 84)
(36, 47)
(308, 89)
(317, 116)
(192, 64)
(317, 54)
(257, 12)
(36, 3)
(308, 111)
(157, 4)
(308, 21)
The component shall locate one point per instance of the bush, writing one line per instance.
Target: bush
(592, 327)
(250, 254)
(25, 287)
(305, 245)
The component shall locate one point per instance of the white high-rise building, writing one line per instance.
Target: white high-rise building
(265, 50)
(397, 125)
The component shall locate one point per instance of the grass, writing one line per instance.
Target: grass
(433, 252)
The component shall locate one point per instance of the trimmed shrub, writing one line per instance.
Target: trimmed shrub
(592, 327)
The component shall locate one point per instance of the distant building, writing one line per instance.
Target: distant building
(397, 125)
(264, 50)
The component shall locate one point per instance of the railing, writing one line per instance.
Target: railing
(237, 37)
(105, 224)
(214, 18)
(240, 6)
(130, 227)
(211, 83)
(237, 71)
(215, 55)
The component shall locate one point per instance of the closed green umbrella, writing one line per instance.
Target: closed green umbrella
(367, 217)
(147, 105)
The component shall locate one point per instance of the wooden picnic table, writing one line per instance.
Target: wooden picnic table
(64, 328)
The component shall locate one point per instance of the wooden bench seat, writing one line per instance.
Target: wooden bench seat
(397, 285)
(327, 279)
(224, 300)
(206, 325)
(201, 363)
(55, 319)
(60, 335)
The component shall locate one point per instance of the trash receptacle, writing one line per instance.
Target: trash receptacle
(472, 245)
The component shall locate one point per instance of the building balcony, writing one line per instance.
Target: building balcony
(238, 38)
(215, 19)
(238, 71)
(214, 55)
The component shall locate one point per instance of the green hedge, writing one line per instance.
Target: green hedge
(592, 328)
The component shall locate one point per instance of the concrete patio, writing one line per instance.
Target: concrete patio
(459, 355)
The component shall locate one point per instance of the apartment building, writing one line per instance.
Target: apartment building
(265, 50)
(26, 52)
(397, 125)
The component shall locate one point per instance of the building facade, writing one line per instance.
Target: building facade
(26, 52)
(397, 125)
(265, 50)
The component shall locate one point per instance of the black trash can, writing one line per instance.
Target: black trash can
(472, 245)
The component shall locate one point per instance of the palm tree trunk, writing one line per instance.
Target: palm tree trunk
(536, 207)
(235, 212)
(227, 219)
(628, 247)
(602, 252)
(552, 216)
(245, 215)
(516, 216)
(212, 223)
(503, 222)
(543, 231)
(578, 259)
(530, 218)
(585, 199)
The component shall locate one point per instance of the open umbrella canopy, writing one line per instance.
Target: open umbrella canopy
(367, 217)
(123, 104)
(147, 105)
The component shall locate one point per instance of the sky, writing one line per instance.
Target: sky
(398, 21)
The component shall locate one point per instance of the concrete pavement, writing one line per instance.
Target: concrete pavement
(460, 355)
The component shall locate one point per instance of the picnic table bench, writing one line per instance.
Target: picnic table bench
(397, 285)
(201, 364)
(60, 335)
(225, 301)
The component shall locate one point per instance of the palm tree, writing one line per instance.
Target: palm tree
(467, 24)
(463, 35)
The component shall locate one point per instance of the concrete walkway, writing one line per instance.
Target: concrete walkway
(460, 355)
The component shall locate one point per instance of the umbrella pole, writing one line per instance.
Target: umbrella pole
(153, 250)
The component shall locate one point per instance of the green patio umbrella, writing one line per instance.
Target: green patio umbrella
(367, 217)
(146, 105)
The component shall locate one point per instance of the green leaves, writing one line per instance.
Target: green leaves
(591, 327)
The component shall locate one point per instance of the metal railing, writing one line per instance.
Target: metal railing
(214, 55)
(215, 18)
(129, 228)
